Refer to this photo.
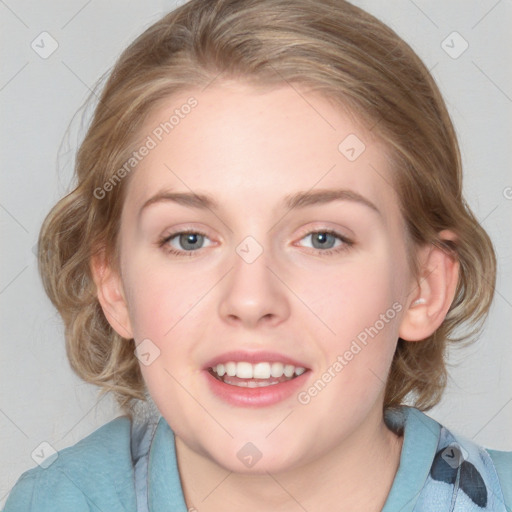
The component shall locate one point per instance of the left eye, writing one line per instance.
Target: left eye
(326, 240)
(322, 239)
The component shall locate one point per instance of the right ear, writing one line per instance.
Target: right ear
(110, 295)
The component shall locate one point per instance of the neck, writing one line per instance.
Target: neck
(357, 475)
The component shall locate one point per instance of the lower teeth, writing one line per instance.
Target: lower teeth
(251, 384)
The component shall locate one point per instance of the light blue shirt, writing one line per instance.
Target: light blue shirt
(128, 468)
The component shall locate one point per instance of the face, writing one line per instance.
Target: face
(263, 265)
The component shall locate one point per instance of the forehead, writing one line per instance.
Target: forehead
(248, 147)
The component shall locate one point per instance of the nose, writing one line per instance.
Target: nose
(254, 293)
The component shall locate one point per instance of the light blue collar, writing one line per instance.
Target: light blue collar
(165, 490)
(421, 437)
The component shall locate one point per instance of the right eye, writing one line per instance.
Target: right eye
(189, 240)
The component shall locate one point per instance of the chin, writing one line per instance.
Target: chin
(257, 457)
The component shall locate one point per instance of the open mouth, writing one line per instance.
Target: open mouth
(244, 374)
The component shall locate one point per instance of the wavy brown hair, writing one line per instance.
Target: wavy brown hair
(329, 47)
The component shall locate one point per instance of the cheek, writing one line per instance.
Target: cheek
(164, 311)
(151, 308)
(159, 297)
(355, 296)
(361, 305)
(167, 307)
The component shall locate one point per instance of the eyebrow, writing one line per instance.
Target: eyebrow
(294, 201)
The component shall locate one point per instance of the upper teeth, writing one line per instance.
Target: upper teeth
(244, 370)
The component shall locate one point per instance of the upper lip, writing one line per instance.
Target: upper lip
(252, 357)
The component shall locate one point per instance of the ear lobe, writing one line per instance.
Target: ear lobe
(111, 296)
(439, 274)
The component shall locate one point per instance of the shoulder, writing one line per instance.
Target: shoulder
(476, 477)
(493, 465)
(95, 472)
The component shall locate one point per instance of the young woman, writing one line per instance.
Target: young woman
(265, 258)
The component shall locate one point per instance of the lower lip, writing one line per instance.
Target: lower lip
(255, 397)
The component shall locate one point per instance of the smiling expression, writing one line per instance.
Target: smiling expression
(254, 249)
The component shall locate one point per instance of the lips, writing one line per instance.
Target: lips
(254, 379)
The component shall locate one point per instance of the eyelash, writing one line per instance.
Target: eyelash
(345, 246)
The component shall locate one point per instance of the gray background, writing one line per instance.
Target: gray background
(40, 399)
